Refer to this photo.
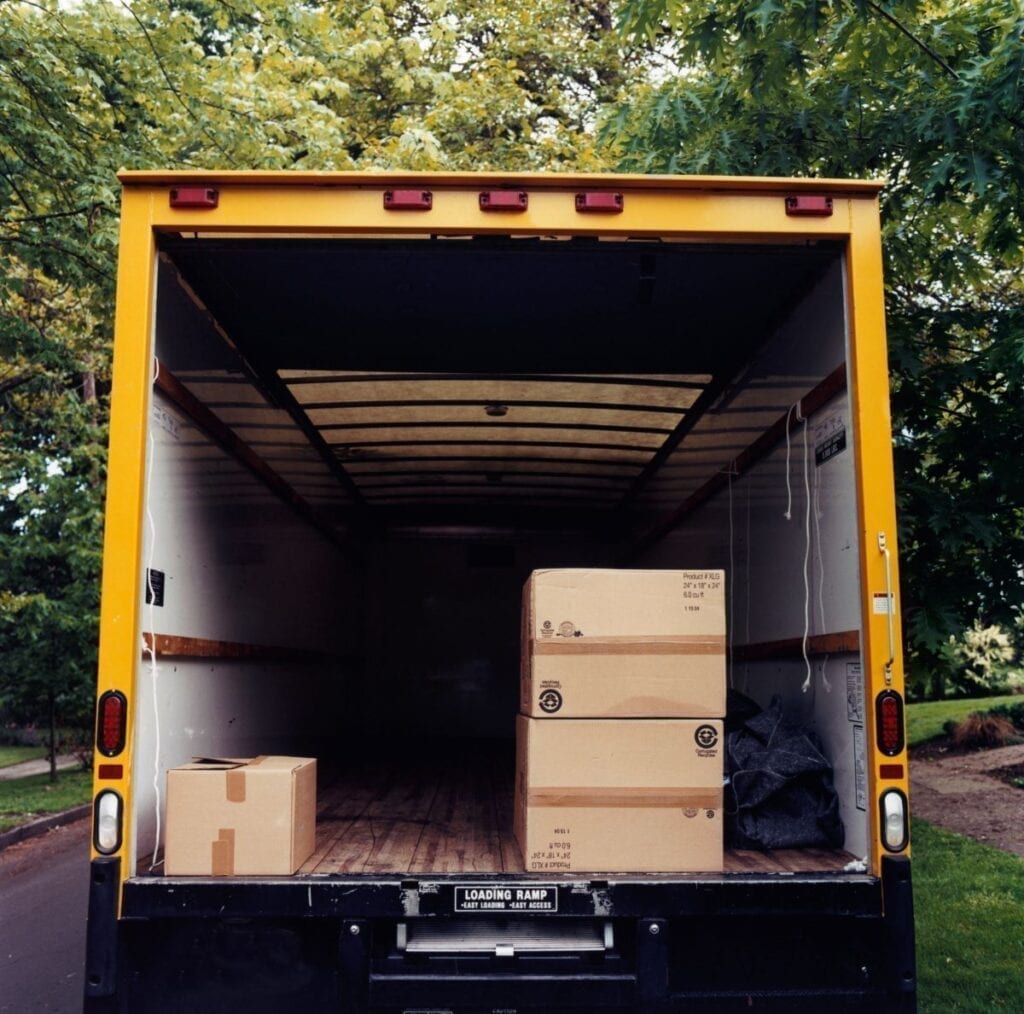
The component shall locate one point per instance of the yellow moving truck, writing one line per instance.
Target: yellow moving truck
(351, 414)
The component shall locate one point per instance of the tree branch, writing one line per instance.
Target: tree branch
(90, 208)
(170, 84)
(925, 48)
(8, 384)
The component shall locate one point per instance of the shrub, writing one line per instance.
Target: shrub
(1012, 712)
(981, 660)
(981, 729)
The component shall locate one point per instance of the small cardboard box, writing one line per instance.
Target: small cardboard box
(619, 795)
(623, 644)
(231, 816)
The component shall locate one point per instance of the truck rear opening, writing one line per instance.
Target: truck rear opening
(346, 428)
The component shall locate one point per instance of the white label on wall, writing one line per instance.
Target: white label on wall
(166, 421)
(829, 435)
(860, 767)
(854, 692)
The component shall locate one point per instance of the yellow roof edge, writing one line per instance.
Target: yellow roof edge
(274, 177)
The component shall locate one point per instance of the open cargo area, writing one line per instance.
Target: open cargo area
(352, 415)
(362, 447)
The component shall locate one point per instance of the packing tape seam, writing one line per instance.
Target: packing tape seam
(222, 853)
(587, 798)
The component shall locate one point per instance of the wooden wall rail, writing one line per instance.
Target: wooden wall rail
(176, 646)
(842, 642)
(810, 403)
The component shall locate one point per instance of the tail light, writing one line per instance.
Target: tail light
(111, 723)
(108, 813)
(893, 807)
(889, 722)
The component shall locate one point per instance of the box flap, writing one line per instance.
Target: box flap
(213, 764)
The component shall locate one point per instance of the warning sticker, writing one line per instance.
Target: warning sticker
(860, 767)
(884, 603)
(854, 692)
(829, 439)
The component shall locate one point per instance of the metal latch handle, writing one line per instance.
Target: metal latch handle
(890, 606)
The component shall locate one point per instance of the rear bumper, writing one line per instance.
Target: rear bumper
(694, 943)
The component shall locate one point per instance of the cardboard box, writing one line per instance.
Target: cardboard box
(619, 795)
(228, 816)
(623, 643)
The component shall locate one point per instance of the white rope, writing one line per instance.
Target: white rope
(807, 556)
(730, 576)
(746, 546)
(788, 514)
(154, 669)
(818, 514)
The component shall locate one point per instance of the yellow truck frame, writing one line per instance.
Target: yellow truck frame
(701, 209)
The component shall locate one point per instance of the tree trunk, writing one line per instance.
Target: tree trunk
(89, 387)
(53, 738)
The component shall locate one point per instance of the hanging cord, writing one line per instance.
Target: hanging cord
(154, 669)
(732, 571)
(788, 514)
(746, 568)
(818, 514)
(807, 555)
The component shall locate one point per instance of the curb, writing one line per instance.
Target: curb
(44, 824)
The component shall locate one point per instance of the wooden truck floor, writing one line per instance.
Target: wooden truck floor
(451, 812)
(456, 817)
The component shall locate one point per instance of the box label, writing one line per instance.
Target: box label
(506, 898)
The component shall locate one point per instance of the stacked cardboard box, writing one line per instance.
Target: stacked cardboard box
(619, 741)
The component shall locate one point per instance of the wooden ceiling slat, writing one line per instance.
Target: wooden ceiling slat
(493, 424)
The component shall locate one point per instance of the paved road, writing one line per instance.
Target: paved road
(44, 888)
(37, 767)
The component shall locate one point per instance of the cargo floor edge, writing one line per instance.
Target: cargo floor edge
(446, 815)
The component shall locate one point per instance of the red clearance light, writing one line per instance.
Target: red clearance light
(601, 203)
(503, 200)
(889, 722)
(110, 772)
(408, 200)
(194, 197)
(111, 723)
(811, 205)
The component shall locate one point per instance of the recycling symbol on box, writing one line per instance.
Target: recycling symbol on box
(550, 701)
(706, 736)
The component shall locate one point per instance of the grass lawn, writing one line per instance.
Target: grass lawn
(25, 799)
(926, 718)
(16, 754)
(969, 909)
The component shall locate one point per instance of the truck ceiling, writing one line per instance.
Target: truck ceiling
(502, 379)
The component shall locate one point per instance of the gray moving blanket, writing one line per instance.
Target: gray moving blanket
(780, 793)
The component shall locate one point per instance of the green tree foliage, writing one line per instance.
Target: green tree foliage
(87, 88)
(52, 449)
(930, 98)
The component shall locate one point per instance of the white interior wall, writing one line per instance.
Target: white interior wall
(239, 567)
(745, 531)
